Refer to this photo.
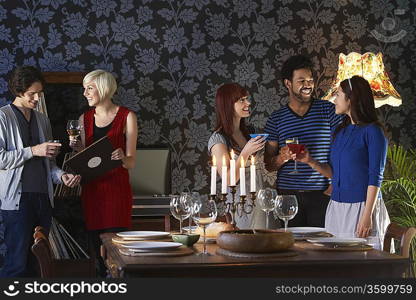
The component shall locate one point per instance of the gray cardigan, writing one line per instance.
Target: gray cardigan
(13, 156)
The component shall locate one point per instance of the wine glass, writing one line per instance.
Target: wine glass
(73, 127)
(204, 213)
(186, 197)
(293, 144)
(266, 199)
(286, 207)
(194, 196)
(180, 209)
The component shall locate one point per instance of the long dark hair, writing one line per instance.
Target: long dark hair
(226, 96)
(363, 110)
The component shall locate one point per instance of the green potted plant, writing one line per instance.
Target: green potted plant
(399, 190)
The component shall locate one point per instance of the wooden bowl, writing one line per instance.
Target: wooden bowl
(255, 241)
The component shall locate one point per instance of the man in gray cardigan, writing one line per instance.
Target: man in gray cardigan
(27, 171)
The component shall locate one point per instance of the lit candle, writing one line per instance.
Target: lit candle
(232, 169)
(242, 178)
(252, 175)
(214, 176)
(224, 176)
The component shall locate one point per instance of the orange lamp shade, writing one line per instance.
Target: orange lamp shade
(371, 67)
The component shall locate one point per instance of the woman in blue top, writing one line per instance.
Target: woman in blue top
(357, 160)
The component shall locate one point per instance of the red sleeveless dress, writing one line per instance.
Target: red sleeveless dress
(107, 200)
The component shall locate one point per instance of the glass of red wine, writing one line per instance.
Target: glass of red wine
(296, 148)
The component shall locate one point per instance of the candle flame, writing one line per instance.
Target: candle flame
(223, 161)
(214, 160)
(242, 163)
(232, 154)
(252, 160)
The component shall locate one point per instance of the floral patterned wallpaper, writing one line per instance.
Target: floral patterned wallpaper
(171, 56)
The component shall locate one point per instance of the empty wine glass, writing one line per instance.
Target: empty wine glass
(186, 197)
(266, 200)
(286, 208)
(180, 209)
(204, 213)
(194, 196)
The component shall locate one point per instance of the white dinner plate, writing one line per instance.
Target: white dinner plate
(147, 246)
(131, 250)
(118, 240)
(338, 241)
(306, 229)
(142, 235)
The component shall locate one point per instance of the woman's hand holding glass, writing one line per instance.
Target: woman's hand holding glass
(253, 145)
(73, 127)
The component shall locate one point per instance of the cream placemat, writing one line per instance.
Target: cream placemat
(181, 251)
(286, 253)
(310, 246)
(305, 236)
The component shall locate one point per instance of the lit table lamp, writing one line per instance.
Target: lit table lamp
(371, 67)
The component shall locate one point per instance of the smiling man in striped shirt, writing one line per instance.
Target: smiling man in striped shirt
(311, 121)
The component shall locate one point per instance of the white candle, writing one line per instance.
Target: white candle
(232, 169)
(224, 176)
(242, 178)
(252, 175)
(214, 176)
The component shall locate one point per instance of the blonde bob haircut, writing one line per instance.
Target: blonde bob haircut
(105, 82)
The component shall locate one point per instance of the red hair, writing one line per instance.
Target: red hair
(226, 96)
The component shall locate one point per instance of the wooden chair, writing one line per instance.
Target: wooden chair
(50, 267)
(151, 213)
(404, 235)
(42, 251)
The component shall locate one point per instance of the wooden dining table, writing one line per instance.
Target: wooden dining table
(303, 263)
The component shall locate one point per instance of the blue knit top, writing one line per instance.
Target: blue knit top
(358, 157)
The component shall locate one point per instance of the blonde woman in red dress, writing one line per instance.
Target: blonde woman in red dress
(107, 200)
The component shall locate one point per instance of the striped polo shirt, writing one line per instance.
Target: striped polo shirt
(313, 130)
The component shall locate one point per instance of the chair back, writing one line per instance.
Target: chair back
(42, 250)
(405, 236)
(402, 234)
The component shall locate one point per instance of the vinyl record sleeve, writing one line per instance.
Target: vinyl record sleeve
(93, 161)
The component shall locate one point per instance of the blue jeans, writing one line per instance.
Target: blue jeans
(35, 210)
